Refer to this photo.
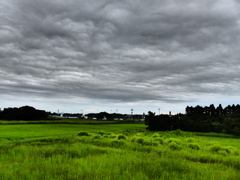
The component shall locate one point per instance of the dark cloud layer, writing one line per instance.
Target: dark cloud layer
(152, 53)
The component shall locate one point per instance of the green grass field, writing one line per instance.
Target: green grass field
(114, 151)
(26, 132)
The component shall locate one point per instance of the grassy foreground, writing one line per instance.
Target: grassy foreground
(109, 152)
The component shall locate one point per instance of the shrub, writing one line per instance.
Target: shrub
(83, 134)
(121, 137)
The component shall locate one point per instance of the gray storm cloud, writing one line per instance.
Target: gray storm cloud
(121, 51)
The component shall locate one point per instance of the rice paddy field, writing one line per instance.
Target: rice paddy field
(114, 151)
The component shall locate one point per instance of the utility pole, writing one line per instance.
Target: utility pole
(132, 113)
(158, 111)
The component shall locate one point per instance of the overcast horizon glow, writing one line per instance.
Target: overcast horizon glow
(115, 56)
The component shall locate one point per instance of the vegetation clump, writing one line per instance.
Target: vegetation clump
(194, 146)
(174, 146)
(140, 140)
(118, 142)
(177, 141)
(101, 133)
(159, 140)
(83, 134)
(155, 135)
(121, 137)
(190, 140)
(224, 150)
(97, 137)
(71, 157)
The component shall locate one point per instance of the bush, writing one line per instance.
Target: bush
(236, 131)
(83, 134)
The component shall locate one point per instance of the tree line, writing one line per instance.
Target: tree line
(23, 113)
(199, 119)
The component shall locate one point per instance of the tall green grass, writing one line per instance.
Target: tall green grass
(115, 152)
(25, 132)
(78, 161)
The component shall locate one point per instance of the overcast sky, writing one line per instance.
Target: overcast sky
(117, 55)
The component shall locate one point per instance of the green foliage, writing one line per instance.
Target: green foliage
(174, 146)
(215, 148)
(83, 134)
(140, 140)
(236, 131)
(97, 137)
(70, 156)
(121, 137)
(155, 135)
(177, 141)
(112, 136)
(224, 150)
(190, 140)
(134, 139)
(118, 143)
(193, 146)
(159, 140)
(198, 119)
(101, 133)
